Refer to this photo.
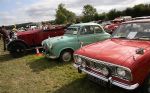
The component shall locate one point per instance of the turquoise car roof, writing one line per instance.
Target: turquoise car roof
(84, 24)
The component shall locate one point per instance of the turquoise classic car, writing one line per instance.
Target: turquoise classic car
(76, 36)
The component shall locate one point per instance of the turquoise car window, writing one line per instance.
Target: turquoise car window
(72, 30)
(87, 30)
(98, 29)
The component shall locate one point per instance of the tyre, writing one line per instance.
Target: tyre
(18, 49)
(146, 87)
(66, 56)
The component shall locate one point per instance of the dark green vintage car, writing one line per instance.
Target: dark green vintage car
(76, 35)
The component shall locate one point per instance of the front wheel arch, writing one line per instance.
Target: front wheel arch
(9, 46)
(66, 50)
(18, 49)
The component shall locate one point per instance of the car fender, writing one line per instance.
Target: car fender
(58, 48)
(141, 68)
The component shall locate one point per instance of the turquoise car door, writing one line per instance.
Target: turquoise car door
(86, 35)
(99, 33)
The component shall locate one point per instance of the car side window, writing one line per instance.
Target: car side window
(87, 30)
(98, 29)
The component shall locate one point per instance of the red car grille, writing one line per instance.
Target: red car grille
(98, 66)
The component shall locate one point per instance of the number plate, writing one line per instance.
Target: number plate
(98, 81)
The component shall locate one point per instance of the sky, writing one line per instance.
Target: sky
(21, 11)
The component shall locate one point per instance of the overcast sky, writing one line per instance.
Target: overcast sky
(21, 11)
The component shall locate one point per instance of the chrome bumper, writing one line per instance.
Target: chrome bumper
(114, 82)
(49, 56)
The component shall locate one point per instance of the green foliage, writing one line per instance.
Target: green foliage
(113, 14)
(89, 12)
(103, 16)
(136, 11)
(64, 16)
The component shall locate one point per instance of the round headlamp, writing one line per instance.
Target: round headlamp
(121, 72)
(83, 64)
(105, 71)
(79, 59)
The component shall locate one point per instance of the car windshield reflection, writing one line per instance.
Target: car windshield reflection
(133, 31)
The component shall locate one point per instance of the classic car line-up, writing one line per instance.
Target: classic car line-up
(121, 60)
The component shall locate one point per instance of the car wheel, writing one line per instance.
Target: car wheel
(146, 86)
(66, 56)
(18, 50)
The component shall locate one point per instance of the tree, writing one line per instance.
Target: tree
(64, 16)
(89, 12)
(128, 12)
(112, 14)
(103, 16)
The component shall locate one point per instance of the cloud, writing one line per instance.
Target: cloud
(81, 3)
(46, 9)
(40, 10)
(6, 18)
(18, 3)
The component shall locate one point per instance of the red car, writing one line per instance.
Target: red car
(116, 22)
(113, 26)
(123, 60)
(23, 41)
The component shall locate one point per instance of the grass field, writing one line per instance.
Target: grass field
(32, 74)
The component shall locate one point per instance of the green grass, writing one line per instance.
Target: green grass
(32, 74)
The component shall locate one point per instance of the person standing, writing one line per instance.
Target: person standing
(5, 36)
(14, 29)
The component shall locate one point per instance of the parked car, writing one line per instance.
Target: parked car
(76, 35)
(110, 28)
(20, 42)
(123, 60)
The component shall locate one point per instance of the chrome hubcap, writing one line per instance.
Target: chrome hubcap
(18, 50)
(66, 56)
(149, 89)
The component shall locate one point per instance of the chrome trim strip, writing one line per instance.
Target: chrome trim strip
(95, 75)
(103, 62)
(114, 82)
(106, 63)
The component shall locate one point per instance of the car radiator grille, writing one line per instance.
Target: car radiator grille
(97, 66)
(45, 48)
